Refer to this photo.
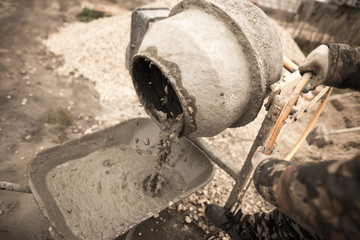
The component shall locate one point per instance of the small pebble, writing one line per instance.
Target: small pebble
(180, 207)
(139, 151)
(24, 101)
(107, 163)
(190, 110)
(187, 219)
(147, 141)
(213, 228)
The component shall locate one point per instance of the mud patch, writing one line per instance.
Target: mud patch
(101, 194)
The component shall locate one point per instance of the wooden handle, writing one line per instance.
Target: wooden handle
(289, 65)
(285, 112)
(309, 127)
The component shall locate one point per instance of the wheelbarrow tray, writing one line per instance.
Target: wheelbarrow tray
(92, 187)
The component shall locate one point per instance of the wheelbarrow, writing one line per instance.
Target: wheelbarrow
(92, 187)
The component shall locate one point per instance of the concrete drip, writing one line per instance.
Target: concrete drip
(156, 183)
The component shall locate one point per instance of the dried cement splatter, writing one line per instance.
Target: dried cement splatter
(170, 130)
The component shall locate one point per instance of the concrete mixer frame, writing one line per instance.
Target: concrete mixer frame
(278, 109)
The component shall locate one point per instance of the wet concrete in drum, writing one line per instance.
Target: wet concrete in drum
(109, 193)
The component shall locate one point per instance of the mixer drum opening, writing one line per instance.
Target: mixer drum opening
(154, 89)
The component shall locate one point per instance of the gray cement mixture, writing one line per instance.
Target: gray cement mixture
(101, 194)
(170, 130)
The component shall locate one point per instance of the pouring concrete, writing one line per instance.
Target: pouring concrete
(92, 188)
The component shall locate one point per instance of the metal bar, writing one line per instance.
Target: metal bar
(288, 81)
(225, 164)
(8, 186)
(243, 178)
(302, 111)
(346, 130)
(309, 127)
(130, 234)
(286, 111)
(267, 135)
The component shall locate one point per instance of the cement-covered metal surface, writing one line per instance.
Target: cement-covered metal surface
(220, 58)
(92, 188)
(141, 19)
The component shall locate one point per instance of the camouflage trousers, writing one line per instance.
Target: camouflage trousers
(322, 197)
(273, 225)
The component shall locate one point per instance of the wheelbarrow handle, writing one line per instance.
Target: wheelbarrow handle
(216, 157)
(8, 186)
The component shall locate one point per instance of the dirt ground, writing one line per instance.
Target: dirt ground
(39, 109)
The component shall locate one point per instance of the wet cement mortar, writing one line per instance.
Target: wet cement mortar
(109, 191)
(170, 129)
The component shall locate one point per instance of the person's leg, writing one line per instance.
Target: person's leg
(273, 225)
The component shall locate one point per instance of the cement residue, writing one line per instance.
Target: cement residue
(170, 130)
(101, 194)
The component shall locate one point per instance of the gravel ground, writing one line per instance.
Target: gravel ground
(96, 51)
